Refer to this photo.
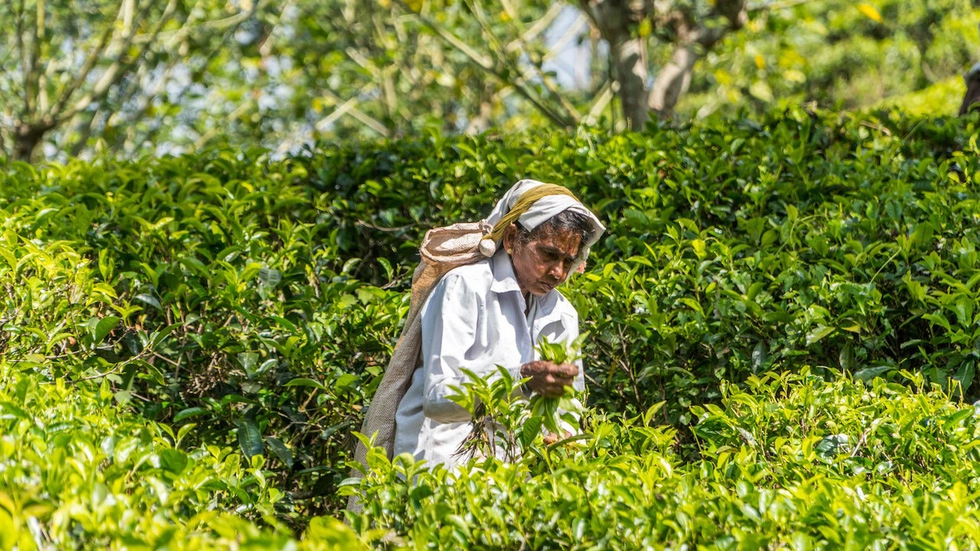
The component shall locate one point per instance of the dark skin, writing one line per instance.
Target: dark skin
(540, 265)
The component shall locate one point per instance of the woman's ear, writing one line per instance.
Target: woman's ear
(510, 238)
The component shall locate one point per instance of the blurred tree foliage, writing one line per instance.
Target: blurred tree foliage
(122, 74)
(843, 55)
(683, 30)
(379, 67)
(135, 77)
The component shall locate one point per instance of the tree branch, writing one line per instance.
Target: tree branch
(84, 125)
(673, 79)
(130, 138)
(265, 47)
(228, 23)
(452, 40)
(692, 39)
(40, 82)
(488, 66)
(768, 6)
(91, 59)
(538, 65)
(32, 72)
(384, 75)
(350, 105)
(602, 100)
(8, 51)
(24, 61)
(84, 134)
(616, 22)
(117, 70)
(537, 28)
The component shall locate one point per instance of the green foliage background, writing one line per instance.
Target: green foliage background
(848, 55)
(191, 340)
(128, 78)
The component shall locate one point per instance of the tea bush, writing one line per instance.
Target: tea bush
(256, 300)
(77, 470)
(198, 299)
(790, 462)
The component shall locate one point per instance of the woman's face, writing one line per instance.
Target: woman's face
(543, 263)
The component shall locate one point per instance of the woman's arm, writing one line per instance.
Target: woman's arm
(449, 322)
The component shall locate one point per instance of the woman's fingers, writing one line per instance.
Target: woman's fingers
(531, 369)
(558, 379)
(549, 385)
(567, 370)
(554, 386)
(548, 378)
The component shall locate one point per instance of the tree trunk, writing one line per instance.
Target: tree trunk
(972, 94)
(615, 20)
(673, 81)
(629, 59)
(693, 39)
(691, 33)
(26, 140)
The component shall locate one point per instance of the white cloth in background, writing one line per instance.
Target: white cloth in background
(473, 319)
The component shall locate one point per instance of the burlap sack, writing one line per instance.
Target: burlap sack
(442, 250)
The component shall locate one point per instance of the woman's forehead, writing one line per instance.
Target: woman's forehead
(565, 241)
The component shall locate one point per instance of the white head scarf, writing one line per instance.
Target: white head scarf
(540, 212)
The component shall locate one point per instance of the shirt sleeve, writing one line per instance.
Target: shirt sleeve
(449, 324)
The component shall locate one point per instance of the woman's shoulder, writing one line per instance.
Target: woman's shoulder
(476, 269)
(476, 275)
(460, 284)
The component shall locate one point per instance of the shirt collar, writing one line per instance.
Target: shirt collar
(504, 279)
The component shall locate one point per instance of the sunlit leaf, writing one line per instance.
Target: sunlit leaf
(870, 12)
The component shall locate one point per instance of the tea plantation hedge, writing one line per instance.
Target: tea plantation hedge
(783, 331)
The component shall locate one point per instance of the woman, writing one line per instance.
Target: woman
(493, 312)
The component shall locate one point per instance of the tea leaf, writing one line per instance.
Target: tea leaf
(250, 438)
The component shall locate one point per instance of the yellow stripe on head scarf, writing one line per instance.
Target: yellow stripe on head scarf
(522, 205)
(531, 203)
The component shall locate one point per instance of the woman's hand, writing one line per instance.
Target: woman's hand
(548, 378)
(552, 438)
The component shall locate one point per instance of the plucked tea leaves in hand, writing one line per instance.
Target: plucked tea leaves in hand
(555, 410)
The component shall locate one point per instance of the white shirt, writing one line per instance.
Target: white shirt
(474, 319)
